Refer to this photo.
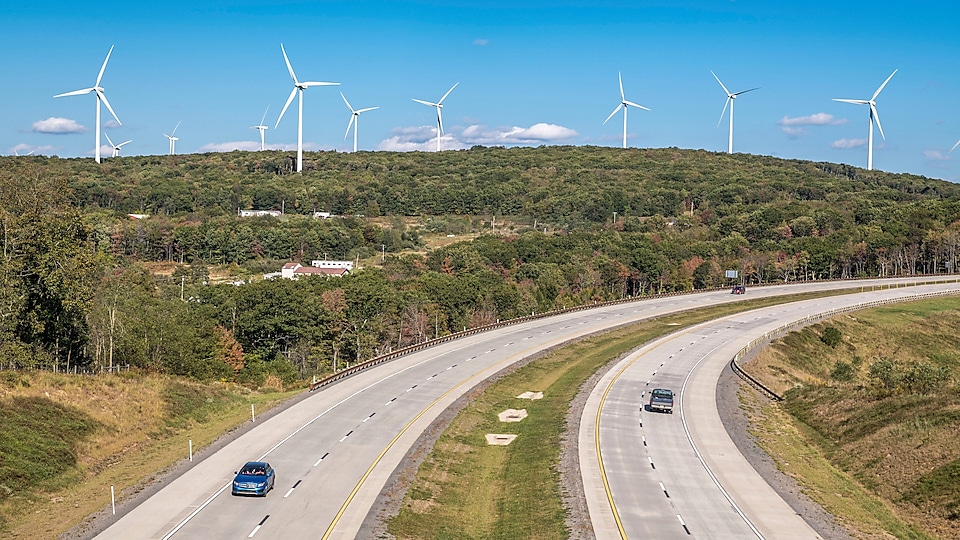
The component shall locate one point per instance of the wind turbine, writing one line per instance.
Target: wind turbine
(730, 98)
(262, 127)
(173, 140)
(116, 147)
(354, 120)
(872, 102)
(439, 106)
(623, 105)
(100, 97)
(298, 88)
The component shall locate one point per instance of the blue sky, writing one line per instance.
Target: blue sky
(530, 73)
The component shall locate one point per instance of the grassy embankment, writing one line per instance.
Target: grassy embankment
(64, 440)
(870, 426)
(467, 489)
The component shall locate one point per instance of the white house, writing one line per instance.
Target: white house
(258, 213)
(293, 270)
(332, 264)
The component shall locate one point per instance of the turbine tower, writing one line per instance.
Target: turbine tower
(100, 97)
(173, 140)
(116, 147)
(439, 106)
(624, 103)
(872, 102)
(354, 120)
(730, 98)
(298, 88)
(262, 127)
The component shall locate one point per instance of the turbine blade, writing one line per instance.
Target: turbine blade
(724, 111)
(264, 116)
(615, 111)
(104, 66)
(348, 104)
(447, 94)
(632, 104)
(425, 102)
(109, 108)
(289, 67)
(75, 93)
(365, 110)
(174, 132)
(745, 91)
(440, 119)
(954, 147)
(620, 76)
(854, 101)
(349, 124)
(314, 83)
(123, 143)
(287, 104)
(721, 84)
(108, 138)
(876, 116)
(877, 93)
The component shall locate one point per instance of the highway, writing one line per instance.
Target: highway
(680, 475)
(335, 450)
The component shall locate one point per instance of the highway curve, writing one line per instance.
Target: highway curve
(335, 450)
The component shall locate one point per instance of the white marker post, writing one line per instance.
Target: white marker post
(191, 450)
(252, 417)
(113, 501)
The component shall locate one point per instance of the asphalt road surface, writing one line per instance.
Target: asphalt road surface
(335, 450)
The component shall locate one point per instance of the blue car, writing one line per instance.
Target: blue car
(254, 478)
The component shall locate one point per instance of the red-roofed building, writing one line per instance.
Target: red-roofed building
(293, 270)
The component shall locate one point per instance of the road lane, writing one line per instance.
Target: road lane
(342, 443)
(712, 490)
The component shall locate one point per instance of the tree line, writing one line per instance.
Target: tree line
(585, 225)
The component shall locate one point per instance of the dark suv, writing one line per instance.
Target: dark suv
(739, 289)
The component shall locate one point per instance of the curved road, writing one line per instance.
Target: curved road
(335, 450)
(680, 475)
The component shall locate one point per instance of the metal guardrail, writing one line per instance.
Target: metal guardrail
(534, 316)
(768, 336)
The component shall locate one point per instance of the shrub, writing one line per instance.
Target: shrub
(886, 373)
(842, 371)
(831, 336)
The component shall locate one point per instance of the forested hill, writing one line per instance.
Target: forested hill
(553, 226)
(562, 186)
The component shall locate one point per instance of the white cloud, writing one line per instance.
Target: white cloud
(817, 119)
(111, 124)
(793, 132)
(24, 149)
(57, 126)
(254, 146)
(844, 144)
(481, 42)
(424, 138)
(420, 138)
(935, 155)
(541, 133)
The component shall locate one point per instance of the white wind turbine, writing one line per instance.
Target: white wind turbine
(298, 88)
(262, 127)
(872, 102)
(730, 99)
(954, 147)
(116, 147)
(624, 103)
(439, 107)
(354, 120)
(173, 140)
(100, 97)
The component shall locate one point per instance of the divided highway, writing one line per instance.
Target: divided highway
(335, 450)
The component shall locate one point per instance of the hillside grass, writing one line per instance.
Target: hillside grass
(65, 439)
(881, 456)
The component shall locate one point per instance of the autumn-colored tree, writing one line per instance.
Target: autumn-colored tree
(227, 349)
